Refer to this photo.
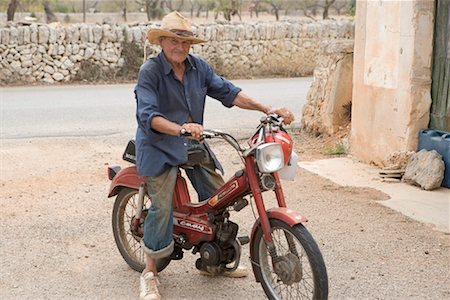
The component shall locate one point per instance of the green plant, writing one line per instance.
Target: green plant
(338, 149)
(352, 8)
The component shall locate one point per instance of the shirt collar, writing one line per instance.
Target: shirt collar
(167, 66)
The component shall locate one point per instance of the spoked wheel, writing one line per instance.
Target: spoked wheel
(300, 272)
(127, 241)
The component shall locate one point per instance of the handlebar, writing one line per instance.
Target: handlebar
(272, 119)
(210, 134)
(206, 134)
(268, 120)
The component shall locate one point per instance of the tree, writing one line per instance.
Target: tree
(153, 8)
(340, 5)
(309, 7)
(292, 6)
(12, 6)
(199, 5)
(254, 8)
(276, 7)
(49, 13)
(124, 10)
(169, 5)
(228, 8)
(326, 7)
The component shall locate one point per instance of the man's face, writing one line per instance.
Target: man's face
(176, 50)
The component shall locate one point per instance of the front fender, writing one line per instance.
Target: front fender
(127, 177)
(284, 214)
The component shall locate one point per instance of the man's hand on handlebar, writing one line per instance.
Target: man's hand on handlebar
(193, 131)
(283, 112)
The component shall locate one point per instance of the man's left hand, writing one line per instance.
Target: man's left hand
(283, 112)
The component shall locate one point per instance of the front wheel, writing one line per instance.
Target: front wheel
(127, 241)
(300, 271)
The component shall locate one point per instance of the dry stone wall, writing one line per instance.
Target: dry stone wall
(54, 53)
(328, 105)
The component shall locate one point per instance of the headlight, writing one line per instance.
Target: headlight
(269, 157)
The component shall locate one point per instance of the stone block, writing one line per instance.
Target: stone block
(5, 36)
(43, 34)
(425, 169)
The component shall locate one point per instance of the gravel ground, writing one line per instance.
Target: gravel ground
(57, 242)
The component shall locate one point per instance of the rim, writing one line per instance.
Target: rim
(304, 289)
(131, 242)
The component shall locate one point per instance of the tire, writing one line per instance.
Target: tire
(129, 244)
(310, 280)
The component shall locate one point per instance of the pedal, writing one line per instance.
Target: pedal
(244, 240)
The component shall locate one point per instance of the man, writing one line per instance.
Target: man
(170, 95)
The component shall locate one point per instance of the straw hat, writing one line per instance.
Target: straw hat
(173, 25)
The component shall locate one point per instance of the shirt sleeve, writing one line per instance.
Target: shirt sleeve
(219, 88)
(147, 106)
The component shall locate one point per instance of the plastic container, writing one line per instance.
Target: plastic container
(290, 169)
(430, 139)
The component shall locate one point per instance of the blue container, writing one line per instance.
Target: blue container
(430, 139)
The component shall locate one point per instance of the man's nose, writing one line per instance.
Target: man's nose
(180, 46)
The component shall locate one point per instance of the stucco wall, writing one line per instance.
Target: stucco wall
(392, 76)
(52, 53)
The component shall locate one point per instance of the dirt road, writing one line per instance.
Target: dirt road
(57, 243)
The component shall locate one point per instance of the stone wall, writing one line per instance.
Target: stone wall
(328, 106)
(54, 53)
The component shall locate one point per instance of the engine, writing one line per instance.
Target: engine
(215, 255)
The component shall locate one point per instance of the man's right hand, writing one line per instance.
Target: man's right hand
(194, 129)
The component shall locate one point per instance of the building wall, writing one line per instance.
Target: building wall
(52, 53)
(391, 75)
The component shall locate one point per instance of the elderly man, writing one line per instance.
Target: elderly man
(170, 94)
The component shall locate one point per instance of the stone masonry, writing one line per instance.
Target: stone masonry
(53, 53)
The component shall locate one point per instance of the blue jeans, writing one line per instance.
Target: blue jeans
(158, 225)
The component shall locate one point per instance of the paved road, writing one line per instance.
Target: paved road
(61, 111)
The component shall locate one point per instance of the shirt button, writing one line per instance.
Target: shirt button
(185, 144)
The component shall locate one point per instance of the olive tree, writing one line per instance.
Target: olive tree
(10, 12)
(153, 8)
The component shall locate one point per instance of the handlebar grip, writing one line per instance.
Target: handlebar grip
(206, 134)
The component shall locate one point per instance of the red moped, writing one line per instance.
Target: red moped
(284, 256)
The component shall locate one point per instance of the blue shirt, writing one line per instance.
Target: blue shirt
(159, 93)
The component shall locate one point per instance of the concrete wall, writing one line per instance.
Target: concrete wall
(392, 76)
(52, 53)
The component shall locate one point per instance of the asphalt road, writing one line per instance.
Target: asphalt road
(96, 110)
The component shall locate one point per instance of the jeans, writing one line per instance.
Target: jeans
(158, 225)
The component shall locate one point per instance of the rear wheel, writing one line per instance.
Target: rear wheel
(127, 241)
(300, 273)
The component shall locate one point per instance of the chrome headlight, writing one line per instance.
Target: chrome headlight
(269, 157)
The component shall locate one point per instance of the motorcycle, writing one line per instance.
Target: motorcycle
(284, 256)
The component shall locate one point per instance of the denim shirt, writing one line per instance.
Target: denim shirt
(159, 93)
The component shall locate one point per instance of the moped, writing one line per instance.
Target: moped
(284, 256)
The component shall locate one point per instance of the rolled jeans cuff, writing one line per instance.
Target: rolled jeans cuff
(158, 254)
